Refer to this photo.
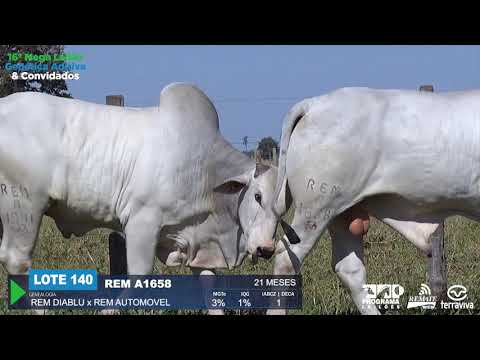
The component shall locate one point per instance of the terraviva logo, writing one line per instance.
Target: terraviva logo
(457, 293)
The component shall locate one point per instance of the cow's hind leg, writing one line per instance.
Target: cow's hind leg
(17, 246)
(21, 213)
(419, 234)
(21, 219)
(1, 237)
(404, 217)
(347, 262)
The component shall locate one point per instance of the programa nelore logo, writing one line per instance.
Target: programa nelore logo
(384, 296)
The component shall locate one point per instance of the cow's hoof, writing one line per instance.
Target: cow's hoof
(276, 312)
(110, 312)
(216, 312)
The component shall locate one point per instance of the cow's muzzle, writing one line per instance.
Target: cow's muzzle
(265, 252)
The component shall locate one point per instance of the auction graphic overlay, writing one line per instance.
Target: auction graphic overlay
(85, 289)
(29, 66)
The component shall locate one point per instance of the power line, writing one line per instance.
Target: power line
(264, 99)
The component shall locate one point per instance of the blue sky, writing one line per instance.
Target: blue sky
(253, 87)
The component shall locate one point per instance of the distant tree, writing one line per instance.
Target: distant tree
(9, 86)
(265, 148)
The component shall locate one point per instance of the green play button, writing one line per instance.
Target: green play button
(16, 292)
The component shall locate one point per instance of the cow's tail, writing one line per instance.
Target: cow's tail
(291, 120)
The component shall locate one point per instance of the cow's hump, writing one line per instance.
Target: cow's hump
(190, 101)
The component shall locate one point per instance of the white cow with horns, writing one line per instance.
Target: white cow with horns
(164, 176)
(408, 158)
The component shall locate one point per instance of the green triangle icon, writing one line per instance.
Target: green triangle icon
(16, 292)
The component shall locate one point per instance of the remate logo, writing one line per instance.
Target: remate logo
(424, 299)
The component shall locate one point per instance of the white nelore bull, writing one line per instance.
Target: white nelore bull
(164, 176)
(409, 158)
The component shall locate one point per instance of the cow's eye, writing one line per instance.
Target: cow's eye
(258, 198)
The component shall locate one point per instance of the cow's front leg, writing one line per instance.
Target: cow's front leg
(208, 272)
(289, 257)
(118, 262)
(141, 241)
(347, 262)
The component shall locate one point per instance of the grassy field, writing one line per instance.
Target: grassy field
(389, 259)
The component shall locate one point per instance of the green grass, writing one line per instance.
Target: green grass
(389, 258)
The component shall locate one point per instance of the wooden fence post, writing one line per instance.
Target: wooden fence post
(117, 100)
(437, 264)
(428, 88)
(117, 249)
(256, 155)
(274, 156)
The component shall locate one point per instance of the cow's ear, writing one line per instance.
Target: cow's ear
(260, 169)
(234, 184)
(230, 187)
